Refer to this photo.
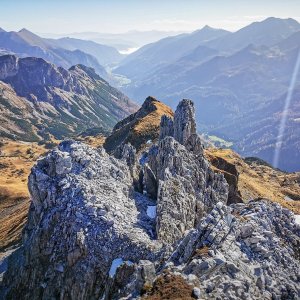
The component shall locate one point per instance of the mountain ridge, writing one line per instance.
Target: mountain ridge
(213, 38)
(64, 53)
(166, 51)
(63, 102)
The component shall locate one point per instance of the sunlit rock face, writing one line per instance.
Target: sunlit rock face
(109, 227)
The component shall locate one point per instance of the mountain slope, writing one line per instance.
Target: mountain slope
(267, 32)
(104, 54)
(260, 137)
(24, 43)
(140, 127)
(50, 100)
(138, 64)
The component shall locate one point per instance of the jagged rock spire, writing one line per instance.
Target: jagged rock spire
(184, 124)
(184, 121)
(166, 127)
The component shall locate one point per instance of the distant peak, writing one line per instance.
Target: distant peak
(274, 19)
(88, 70)
(271, 19)
(206, 27)
(2, 30)
(24, 30)
(209, 29)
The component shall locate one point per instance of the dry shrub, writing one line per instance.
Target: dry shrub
(171, 287)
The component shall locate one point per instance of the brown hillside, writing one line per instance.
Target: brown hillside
(257, 180)
(16, 160)
(139, 127)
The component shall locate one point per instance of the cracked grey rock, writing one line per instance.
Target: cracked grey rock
(89, 235)
(166, 127)
(184, 121)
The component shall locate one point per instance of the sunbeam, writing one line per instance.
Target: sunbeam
(284, 113)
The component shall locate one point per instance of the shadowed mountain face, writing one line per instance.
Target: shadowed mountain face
(62, 52)
(40, 99)
(236, 86)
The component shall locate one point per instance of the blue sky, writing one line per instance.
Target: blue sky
(114, 16)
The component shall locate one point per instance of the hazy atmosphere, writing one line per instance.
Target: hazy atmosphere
(119, 16)
(149, 150)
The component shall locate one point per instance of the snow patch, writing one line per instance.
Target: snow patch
(151, 211)
(297, 219)
(116, 263)
(114, 266)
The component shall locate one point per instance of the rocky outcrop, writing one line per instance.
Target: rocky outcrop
(94, 233)
(187, 188)
(84, 215)
(43, 77)
(245, 251)
(184, 121)
(231, 175)
(166, 127)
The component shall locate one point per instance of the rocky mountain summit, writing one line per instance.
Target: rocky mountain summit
(55, 101)
(139, 128)
(139, 224)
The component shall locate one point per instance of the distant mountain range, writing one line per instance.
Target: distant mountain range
(39, 100)
(236, 80)
(166, 51)
(169, 50)
(64, 52)
(120, 41)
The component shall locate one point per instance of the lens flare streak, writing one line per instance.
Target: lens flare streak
(285, 112)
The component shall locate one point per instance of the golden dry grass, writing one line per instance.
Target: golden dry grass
(259, 181)
(151, 122)
(148, 127)
(140, 128)
(16, 161)
(93, 141)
